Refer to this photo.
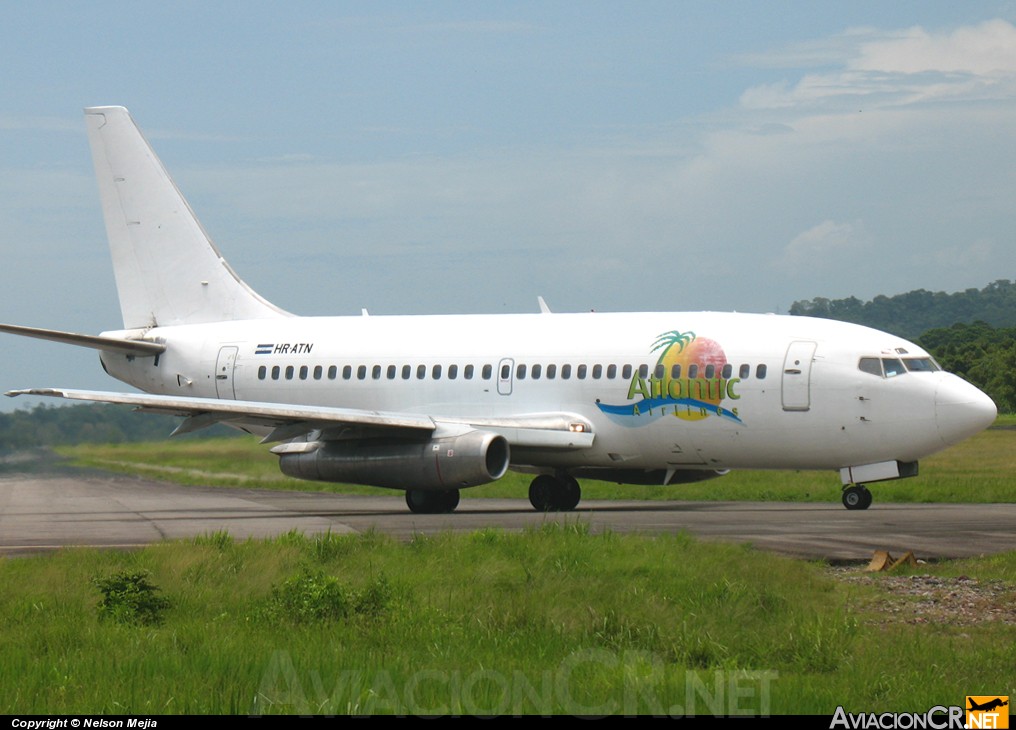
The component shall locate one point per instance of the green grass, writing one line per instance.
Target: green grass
(552, 620)
(981, 469)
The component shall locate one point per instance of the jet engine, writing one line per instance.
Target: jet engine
(440, 463)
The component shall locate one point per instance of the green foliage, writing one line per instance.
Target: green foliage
(982, 354)
(551, 620)
(220, 539)
(314, 596)
(910, 314)
(129, 598)
(93, 423)
(971, 333)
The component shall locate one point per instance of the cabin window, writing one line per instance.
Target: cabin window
(870, 365)
(745, 372)
(276, 371)
(892, 366)
(289, 372)
(318, 370)
(580, 372)
(347, 372)
(565, 372)
(435, 372)
(407, 372)
(537, 371)
(626, 372)
(392, 372)
(760, 372)
(487, 371)
(333, 372)
(520, 372)
(710, 371)
(361, 372)
(693, 370)
(659, 371)
(675, 371)
(597, 372)
(611, 372)
(506, 372)
(262, 372)
(304, 371)
(421, 372)
(727, 371)
(467, 372)
(643, 371)
(551, 371)
(453, 372)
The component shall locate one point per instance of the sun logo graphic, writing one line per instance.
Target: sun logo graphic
(690, 381)
(987, 711)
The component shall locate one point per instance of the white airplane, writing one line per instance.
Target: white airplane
(432, 404)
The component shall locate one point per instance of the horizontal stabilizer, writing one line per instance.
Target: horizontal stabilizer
(140, 348)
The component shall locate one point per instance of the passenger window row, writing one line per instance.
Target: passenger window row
(522, 371)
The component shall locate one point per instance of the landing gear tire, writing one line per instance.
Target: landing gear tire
(541, 493)
(431, 502)
(857, 497)
(570, 494)
(554, 494)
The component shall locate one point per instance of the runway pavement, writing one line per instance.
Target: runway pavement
(46, 511)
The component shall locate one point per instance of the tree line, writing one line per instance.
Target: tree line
(47, 425)
(971, 333)
(912, 314)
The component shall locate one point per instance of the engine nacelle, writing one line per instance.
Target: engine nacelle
(449, 462)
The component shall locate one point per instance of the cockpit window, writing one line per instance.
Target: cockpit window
(920, 364)
(892, 367)
(870, 365)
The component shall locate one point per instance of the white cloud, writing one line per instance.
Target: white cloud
(904, 67)
(824, 247)
(984, 49)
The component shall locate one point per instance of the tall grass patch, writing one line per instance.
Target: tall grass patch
(553, 619)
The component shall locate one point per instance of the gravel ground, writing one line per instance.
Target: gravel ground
(930, 599)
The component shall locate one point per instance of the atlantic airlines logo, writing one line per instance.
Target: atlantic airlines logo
(691, 381)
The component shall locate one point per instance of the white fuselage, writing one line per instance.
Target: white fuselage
(767, 391)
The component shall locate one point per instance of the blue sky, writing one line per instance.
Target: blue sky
(467, 157)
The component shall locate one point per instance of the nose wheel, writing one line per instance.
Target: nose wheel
(856, 496)
(554, 493)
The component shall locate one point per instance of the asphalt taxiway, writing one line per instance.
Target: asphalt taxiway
(43, 511)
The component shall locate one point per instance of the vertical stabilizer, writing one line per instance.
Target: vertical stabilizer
(167, 269)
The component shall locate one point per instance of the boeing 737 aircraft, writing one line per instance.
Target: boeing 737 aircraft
(432, 404)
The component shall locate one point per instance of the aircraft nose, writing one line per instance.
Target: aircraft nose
(961, 410)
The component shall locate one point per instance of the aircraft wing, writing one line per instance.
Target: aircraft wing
(287, 421)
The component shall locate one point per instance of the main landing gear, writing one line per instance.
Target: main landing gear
(432, 502)
(856, 496)
(549, 493)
